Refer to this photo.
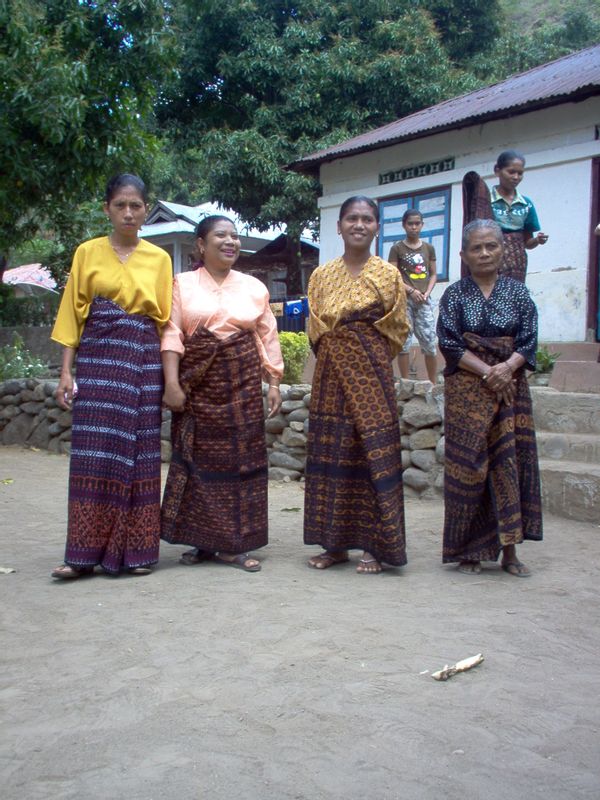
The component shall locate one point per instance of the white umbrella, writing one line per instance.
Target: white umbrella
(30, 279)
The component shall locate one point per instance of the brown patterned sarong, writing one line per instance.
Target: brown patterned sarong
(492, 485)
(216, 492)
(353, 496)
(477, 204)
(514, 261)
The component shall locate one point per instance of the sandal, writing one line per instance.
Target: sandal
(140, 570)
(470, 567)
(364, 567)
(67, 572)
(239, 561)
(195, 556)
(516, 568)
(326, 560)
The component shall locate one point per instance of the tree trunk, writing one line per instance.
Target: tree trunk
(293, 259)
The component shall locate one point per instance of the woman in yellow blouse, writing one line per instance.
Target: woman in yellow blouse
(357, 325)
(117, 298)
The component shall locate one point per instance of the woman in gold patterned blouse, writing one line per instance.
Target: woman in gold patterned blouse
(357, 325)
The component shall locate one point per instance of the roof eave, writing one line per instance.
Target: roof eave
(311, 166)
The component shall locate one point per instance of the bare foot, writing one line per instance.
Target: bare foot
(328, 559)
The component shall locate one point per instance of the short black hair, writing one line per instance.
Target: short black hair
(506, 156)
(411, 212)
(125, 179)
(206, 225)
(359, 198)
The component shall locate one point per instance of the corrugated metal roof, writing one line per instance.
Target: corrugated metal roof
(166, 228)
(572, 77)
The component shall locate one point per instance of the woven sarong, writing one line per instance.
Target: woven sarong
(114, 484)
(477, 204)
(216, 492)
(491, 487)
(353, 496)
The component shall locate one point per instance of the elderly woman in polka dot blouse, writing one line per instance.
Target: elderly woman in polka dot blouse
(487, 332)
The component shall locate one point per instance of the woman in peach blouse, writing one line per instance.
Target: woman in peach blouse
(221, 339)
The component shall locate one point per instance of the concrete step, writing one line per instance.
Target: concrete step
(576, 376)
(581, 447)
(565, 412)
(575, 351)
(571, 489)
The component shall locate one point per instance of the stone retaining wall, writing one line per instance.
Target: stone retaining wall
(30, 416)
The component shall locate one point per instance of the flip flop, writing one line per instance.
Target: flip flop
(365, 562)
(66, 572)
(469, 567)
(515, 568)
(239, 561)
(195, 556)
(140, 570)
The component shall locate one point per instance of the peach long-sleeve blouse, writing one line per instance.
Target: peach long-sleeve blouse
(240, 303)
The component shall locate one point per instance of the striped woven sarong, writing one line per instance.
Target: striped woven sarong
(492, 485)
(114, 485)
(477, 204)
(216, 492)
(353, 496)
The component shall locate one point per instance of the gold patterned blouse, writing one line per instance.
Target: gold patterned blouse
(333, 294)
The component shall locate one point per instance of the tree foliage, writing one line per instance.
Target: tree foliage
(517, 51)
(263, 83)
(213, 99)
(79, 78)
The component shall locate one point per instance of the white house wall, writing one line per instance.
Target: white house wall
(558, 143)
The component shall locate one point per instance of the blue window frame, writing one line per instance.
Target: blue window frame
(435, 207)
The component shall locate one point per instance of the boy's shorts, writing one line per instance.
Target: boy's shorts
(422, 323)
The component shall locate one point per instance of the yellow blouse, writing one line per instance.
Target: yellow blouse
(334, 294)
(141, 285)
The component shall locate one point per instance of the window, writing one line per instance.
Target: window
(435, 207)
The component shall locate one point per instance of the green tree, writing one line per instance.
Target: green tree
(79, 79)
(467, 27)
(516, 52)
(263, 82)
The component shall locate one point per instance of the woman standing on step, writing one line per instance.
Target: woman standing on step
(357, 324)
(221, 338)
(487, 330)
(117, 297)
(514, 212)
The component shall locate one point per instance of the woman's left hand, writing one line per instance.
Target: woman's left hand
(273, 401)
(507, 395)
(499, 377)
(542, 238)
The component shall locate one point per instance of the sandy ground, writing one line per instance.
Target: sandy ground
(208, 682)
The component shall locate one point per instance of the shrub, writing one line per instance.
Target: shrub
(38, 310)
(17, 362)
(545, 360)
(295, 348)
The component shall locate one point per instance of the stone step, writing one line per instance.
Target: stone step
(565, 412)
(571, 489)
(581, 447)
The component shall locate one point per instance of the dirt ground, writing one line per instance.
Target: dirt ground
(210, 683)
